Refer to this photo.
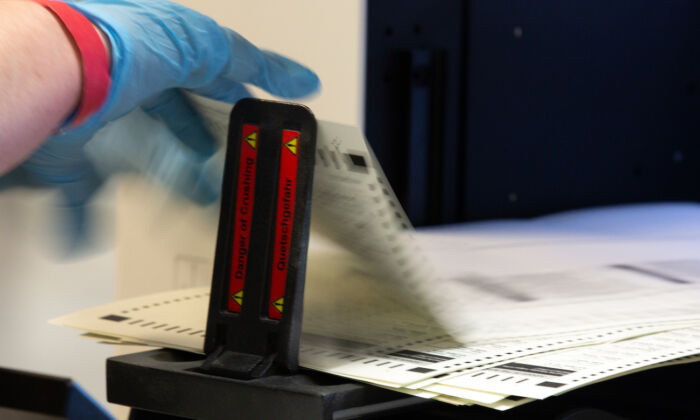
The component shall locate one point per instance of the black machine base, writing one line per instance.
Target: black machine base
(169, 382)
(166, 384)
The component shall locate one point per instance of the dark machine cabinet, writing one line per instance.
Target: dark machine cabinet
(415, 100)
(494, 108)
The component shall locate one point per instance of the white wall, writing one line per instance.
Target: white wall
(326, 35)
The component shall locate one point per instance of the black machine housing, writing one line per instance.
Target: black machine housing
(512, 109)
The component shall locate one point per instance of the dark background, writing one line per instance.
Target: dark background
(493, 108)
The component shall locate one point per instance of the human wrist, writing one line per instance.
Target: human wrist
(40, 79)
(94, 51)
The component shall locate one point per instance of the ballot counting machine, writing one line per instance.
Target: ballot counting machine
(254, 323)
(476, 109)
(250, 370)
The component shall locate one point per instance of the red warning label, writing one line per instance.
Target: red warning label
(245, 198)
(286, 195)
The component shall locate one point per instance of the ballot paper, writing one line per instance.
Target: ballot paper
(552, 373)
(434, 366)
(177, 320)
(491, 314)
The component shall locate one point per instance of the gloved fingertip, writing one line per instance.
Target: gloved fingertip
(10, 180)
(204, 194)
(73, 212)
(289, 79)
(207, 188)
(74, 231)
(306, 84)
(301, 84)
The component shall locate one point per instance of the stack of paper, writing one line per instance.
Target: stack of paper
(494, 314)
(553, 331)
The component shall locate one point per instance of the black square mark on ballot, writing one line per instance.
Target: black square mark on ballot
(421, 370)
(420, 356)
(357, 163)
(551, 384)
(115, 318)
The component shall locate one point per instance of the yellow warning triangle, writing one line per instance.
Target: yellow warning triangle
(238, 297)
(252, 139)
(292, 145)
(279, 304)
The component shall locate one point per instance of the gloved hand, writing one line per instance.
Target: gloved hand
(157, 48)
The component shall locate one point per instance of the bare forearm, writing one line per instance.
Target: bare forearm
(40, 78)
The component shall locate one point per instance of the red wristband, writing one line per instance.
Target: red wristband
(95, 66)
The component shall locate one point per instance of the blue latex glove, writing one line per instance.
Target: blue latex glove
(159, 47)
